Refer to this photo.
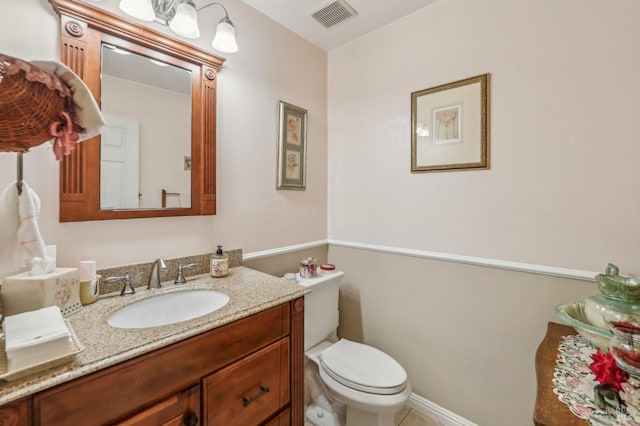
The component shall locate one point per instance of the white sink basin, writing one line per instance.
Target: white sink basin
(168, 308)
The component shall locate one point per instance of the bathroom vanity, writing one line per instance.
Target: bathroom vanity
(240, 365)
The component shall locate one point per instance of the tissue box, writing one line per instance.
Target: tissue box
(25, 292)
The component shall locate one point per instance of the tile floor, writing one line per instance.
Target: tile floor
(408, 417)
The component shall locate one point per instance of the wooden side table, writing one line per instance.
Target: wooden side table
(549, 411)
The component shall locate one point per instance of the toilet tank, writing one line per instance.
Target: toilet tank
(320, 307)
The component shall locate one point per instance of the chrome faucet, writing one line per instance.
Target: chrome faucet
(154, 278)
(180, 279)
(127, 288)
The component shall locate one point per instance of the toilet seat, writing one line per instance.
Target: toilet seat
(363, 368)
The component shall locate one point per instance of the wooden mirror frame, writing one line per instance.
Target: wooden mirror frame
(83, 28)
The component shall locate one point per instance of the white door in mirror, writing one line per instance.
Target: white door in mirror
(119, 169)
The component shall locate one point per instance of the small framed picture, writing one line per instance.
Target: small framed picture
(292, 147)
(446, 125)
(450, 126)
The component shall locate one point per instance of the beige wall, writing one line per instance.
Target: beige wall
(561, 191)
(562, 188)
(272, 64)
(466, 335)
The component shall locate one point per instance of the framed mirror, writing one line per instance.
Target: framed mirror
(156, 155)
(144, 101)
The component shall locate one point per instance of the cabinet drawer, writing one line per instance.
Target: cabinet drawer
(178, 410)
(283, 419)
(251, 390)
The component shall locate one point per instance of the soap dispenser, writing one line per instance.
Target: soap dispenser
(219, 263)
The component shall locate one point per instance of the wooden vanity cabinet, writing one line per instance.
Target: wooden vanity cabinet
(282, 419)
(15, 413)
(248, 372)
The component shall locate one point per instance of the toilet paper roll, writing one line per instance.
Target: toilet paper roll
(87, 270)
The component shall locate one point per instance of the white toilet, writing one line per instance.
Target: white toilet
(341, 374)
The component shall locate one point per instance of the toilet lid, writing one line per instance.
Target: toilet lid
(363, 368)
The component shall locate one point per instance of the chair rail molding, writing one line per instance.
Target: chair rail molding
(282, 250)
(532, 268)
(471, 260)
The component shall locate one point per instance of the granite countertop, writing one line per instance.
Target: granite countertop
(249, 291)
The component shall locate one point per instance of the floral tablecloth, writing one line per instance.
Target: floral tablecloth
(574, 383)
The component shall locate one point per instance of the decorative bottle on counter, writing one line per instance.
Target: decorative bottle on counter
(219, 263)
(308, 268)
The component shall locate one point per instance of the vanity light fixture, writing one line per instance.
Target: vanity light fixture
(182, 17)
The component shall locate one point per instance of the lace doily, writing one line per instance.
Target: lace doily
(574, 384)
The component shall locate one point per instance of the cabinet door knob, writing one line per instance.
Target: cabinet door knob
(246, 401)
(190, 419)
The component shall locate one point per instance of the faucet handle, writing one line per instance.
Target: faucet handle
(127, 288)
(180, 279)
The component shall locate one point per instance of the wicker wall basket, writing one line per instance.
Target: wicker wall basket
(31, 99)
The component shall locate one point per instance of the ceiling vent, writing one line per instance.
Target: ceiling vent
(332, 13)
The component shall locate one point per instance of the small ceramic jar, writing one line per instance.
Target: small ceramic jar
(327, 268)
(291, 277)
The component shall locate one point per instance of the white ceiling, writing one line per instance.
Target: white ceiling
(372, 14)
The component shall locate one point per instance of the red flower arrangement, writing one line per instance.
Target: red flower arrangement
(606, 370)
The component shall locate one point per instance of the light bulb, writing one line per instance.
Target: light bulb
(139, 9)
(185, 21)
(225, 39)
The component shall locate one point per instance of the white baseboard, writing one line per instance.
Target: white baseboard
(436, 412)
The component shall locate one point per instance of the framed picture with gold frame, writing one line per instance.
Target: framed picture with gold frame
(450, 126)
(292, 147)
